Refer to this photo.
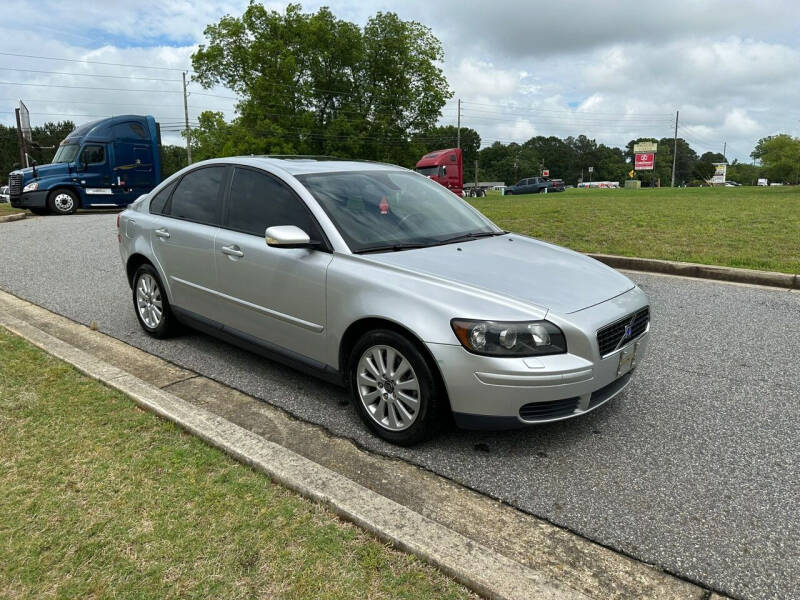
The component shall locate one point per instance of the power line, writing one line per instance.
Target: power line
(91, 62)
(87, 74)
(79, 87)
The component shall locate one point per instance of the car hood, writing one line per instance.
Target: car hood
(519, 267)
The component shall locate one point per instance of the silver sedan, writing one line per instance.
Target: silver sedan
(376, 278)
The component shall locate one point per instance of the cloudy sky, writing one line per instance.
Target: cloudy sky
(610, 70)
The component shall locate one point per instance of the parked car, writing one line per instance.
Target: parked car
(379, 279)
(535, 185)
(5, 195)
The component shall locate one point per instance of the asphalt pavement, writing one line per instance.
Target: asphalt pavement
(694, 468)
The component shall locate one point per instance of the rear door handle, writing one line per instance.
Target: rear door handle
(232, 251)
(162, 233)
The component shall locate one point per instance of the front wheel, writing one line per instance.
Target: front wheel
(394, 389)
(62, 202)
(151, 303)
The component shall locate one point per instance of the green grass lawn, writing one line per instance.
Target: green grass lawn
(99, 499)
(749, 227)
(7, 209)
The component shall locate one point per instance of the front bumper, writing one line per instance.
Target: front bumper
(505, 393)
(37, 199)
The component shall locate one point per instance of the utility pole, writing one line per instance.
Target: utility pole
(675, 150)
(724, 148)
(458, 142)
(186, 121)
(20, 141)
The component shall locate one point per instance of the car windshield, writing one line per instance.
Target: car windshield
(390, 210)
(66, 153)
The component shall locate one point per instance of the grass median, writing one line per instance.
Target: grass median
(101, 499)
(747, 227)
(7, 209)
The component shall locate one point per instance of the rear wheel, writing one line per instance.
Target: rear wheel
(151, 303)
(62, 202)
(395, 391)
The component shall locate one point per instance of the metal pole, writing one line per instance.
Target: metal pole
(186, 121)
(675, 150)
(458, 142)
(20, 140)
(724, 148)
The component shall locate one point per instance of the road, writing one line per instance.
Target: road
(694, 468)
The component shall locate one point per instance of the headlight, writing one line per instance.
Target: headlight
(498, 338)
(31, 187)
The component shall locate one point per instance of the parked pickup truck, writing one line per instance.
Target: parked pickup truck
(535, 185)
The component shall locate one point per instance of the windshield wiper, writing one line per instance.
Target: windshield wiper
(391, 247)
(472, 235)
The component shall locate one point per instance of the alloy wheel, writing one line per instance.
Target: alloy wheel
(388, 388)
(148, 301)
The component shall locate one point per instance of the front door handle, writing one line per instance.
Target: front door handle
(232, 251)
(162, 233)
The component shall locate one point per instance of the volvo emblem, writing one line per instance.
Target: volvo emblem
(628, 331)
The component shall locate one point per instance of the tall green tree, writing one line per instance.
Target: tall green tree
(780, 157)
(312, 83)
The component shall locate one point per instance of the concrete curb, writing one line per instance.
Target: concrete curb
(481, 569)
(668, 267)
(14, 217)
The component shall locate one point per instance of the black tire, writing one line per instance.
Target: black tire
(508, 193)
(39, 211)
(167, 325)
(62, 201)
(432, 399)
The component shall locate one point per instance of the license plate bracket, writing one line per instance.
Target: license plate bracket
(627, 359)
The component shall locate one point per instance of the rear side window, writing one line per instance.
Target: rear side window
(158, 202)
(197, 196)
(258, 201)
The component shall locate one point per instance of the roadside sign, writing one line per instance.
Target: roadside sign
(591, 169)
(720, 173)
(25, 122)
(545, 172)
(644, 161)
(631, 173)
(645, 147)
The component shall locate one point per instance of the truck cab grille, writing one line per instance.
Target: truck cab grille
(15, 184)
(611, 337)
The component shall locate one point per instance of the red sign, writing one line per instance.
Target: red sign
(545, 172)
(644, 161)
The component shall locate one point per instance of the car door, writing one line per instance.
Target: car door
(182, 238)
(274, 294)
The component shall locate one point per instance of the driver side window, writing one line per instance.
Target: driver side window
(93, 155)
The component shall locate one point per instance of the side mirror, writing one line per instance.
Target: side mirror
(287, 236)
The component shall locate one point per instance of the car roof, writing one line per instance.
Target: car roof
(302, 165)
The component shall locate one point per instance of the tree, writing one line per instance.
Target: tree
(321, 85)
(780, 157)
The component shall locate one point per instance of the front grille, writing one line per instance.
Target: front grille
(540, 411)
(15, 184)
(608, 338)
